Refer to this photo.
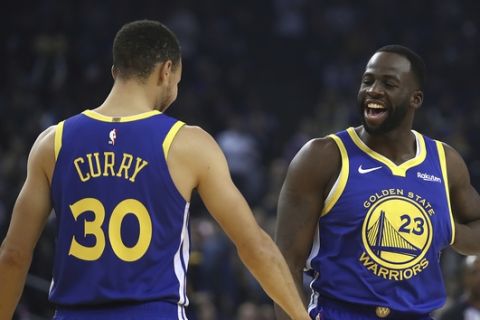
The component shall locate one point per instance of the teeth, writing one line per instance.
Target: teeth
(375, 106)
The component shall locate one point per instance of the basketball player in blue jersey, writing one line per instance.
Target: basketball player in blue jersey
(367, 211)
(120, 178)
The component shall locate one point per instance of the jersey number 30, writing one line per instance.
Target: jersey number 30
(94, 228)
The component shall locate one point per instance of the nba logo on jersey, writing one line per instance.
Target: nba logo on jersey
(112, 135)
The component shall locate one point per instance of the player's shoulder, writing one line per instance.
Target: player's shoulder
(194, 131)
(319, 159)
(194, 136)
(42, 153)
(46, 139)
(449, 150)
(194, 150)
(456, 167)
(193, 141)
(453, 157)
(319, 149)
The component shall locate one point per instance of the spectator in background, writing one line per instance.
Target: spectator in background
(272, 50)
(243, 157)
(468, 307)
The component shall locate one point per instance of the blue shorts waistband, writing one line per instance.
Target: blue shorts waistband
(368, 311)
(158, 310)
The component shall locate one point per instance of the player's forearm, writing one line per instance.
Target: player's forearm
(13, 272)
(298, 280)
(467, 238)
(268, 266)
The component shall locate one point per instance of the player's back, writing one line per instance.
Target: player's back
(122, 225)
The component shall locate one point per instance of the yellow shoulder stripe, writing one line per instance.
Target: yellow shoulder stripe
(341, 181)
(443, 165)
(169, 137)
(58, 138)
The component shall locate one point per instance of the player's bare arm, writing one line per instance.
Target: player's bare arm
(196, 154)
(310, 177)
(29, 215)
(465, 202)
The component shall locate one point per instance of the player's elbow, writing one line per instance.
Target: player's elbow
(14, 257)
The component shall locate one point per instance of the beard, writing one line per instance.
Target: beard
(393, 120)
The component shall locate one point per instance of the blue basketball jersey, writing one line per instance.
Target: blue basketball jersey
(382, 229)
(122, 233)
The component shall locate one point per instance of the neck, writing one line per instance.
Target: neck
(398, 145)
(127, 98)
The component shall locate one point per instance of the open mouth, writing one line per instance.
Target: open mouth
(375, 113)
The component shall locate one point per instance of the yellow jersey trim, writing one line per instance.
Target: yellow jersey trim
(397, 170)
(169, 137)
(97, 116)
(58, 138)
(443, 165)
(341, 181)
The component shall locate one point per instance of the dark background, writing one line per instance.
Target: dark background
(262, 76)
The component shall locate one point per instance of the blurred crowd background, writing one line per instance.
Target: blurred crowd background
(263, 77)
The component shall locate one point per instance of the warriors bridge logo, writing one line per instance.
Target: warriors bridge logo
(396, 234)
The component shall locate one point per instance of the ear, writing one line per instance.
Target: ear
(416, 99)
(114, 72)
(164, 70)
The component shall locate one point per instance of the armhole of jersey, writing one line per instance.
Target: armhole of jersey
(443, 165)
(169, 137)
(58, 138)
(342, 178)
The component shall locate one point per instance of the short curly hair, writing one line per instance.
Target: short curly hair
(140, 45)
(417, 64)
